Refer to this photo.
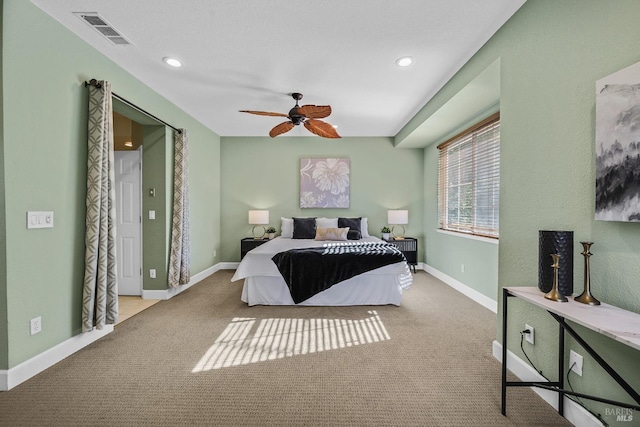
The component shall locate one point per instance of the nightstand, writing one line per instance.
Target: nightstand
(249, 243)
(409, 247)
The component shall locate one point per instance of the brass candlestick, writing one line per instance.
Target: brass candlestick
(586, 297)
(554, 294)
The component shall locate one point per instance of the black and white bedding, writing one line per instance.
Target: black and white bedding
(349, 283)
(309, 271)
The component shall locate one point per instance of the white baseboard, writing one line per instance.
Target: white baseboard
(229, 265)
(462, 288)
(164, 294)
(27, 369)
(573, 412)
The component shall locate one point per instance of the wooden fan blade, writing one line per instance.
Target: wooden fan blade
(321, 128)
(280, 129)
(264, 113)
(315, 111)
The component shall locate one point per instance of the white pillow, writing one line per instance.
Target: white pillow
(286, 228)
(364, 227)
(323, 233)
(326, 222)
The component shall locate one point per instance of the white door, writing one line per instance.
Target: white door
(128, 171)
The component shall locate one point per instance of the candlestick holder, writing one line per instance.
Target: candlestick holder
(586, 297)
(554, 294)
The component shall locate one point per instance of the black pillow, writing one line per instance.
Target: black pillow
(304, 228)
(355, 233)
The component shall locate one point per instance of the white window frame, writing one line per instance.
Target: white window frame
(469, 170)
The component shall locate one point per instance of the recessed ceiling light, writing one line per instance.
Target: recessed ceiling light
(172, 61)
(405, 61)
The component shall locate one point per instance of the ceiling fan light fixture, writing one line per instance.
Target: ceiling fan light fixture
(172, 61)
(307, 115)
(405, 61)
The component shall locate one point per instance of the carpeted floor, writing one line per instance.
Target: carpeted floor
(205, 358)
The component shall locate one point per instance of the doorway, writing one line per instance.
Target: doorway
(128, 182)
(134, 130)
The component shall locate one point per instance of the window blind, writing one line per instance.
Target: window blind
(469, 180)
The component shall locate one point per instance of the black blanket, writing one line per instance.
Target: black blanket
(312, 270)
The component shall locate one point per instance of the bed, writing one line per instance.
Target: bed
(264, 283)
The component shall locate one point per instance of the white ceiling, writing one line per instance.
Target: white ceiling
(251, 54)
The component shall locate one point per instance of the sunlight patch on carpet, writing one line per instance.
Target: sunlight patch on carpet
(249, 340)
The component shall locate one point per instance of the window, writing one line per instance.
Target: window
(469, 180)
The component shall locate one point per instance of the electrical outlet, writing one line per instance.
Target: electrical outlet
(152, 273)
(530, 337)
(215, 253)
(35, 325)
(461, 268)
(575, 362)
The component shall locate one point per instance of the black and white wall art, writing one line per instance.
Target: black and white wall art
(618, 146)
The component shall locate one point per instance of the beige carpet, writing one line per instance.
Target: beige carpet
(129, 306)
(205, 358)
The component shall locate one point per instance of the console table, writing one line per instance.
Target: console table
(613, 322)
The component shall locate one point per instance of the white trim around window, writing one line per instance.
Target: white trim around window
(469, 236)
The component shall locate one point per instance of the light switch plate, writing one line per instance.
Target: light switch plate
(40, 219)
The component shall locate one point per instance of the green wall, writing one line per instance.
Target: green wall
(447, 252)
(44, 168)
(468, 260)
(4, 353)
(156, 233)
(262, 173)
(551, 54)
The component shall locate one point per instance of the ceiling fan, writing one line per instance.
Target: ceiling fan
(307, 115)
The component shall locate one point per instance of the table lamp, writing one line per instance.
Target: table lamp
(397, 218)
(258, 218)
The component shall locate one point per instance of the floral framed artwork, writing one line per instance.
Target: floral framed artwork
(324, 182)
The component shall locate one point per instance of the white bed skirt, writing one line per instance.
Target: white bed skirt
(366, 289)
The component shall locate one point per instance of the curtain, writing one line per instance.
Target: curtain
(180, 256)
(100, 292)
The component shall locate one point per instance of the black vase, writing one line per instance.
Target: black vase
(561, 243)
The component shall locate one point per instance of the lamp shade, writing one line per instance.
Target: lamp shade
(260, 217)
(398, 217)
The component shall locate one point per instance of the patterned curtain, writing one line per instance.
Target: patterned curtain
(100, 292)
(180, 256)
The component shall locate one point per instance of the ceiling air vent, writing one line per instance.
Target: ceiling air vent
(101, 25)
